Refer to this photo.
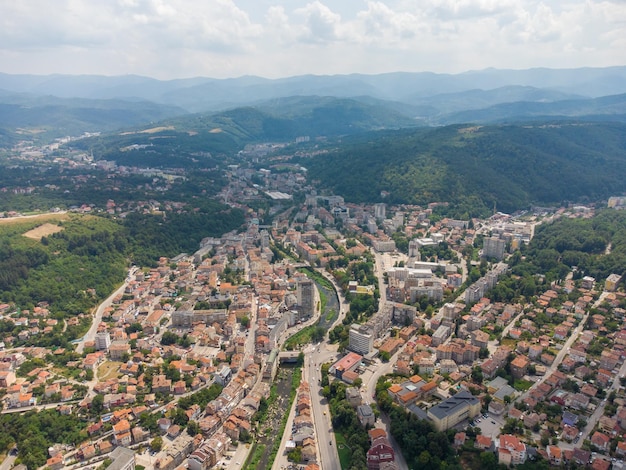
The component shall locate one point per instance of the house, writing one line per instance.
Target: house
(600, 440)
(379, 453)
(511, 451)
(581, 457)
(55, 462)
(459, 439)
(365, 415)
(554, 455)
(483, 442)
(121, 433)
(519, 366)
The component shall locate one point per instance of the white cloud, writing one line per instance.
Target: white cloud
(175, 38)
(321, 24)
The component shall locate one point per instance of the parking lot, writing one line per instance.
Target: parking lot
(490, 426)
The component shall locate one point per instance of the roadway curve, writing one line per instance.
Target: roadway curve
(106, 303)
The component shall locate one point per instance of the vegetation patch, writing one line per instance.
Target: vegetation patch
(43, 231)
(522, 385)
(108, 370)
(34, 218)
(345, 454)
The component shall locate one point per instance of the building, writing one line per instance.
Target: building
(440, 335)
(103, 340)
(519, 366)
(493, 247)
(453, 410)
(122, 459)
(361, 339)
(349, 362)
(365, 415)
(380, 211)
(305, 293)
(611, 282)
(379, 453)
(511, 451)
(186, 318)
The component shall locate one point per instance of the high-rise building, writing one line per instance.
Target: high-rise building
(493, 247)
(380, 210)
(305, 293)
(361, 339)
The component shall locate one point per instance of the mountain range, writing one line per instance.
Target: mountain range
(56, 105)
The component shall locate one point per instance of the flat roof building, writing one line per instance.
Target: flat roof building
(453, 410)
(361, 339)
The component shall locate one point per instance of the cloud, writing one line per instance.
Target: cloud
(168, 38)
(321, 24)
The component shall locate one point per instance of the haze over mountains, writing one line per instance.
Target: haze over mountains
(392, 100)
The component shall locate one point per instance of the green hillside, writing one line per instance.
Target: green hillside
(46, 118)
(476, 167)
(188, 140)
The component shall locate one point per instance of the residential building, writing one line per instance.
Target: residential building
(361, 339)
(493, 247)
(305, 293)
(511, 451)
(379, 453)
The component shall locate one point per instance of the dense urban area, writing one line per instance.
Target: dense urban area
(320, 334)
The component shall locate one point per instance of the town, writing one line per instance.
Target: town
(200, 361)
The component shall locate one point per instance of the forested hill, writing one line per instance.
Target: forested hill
(474, 167)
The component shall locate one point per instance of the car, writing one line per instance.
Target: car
(330, 443)
(493, 422)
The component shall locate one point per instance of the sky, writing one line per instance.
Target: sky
(169, 39)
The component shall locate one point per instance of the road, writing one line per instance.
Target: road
(315, 356)
(91, 334)
(8, 462)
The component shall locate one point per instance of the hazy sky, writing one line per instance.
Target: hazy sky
(276, 38)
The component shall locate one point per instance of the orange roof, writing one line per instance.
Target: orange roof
(377, 433)
(395, 388)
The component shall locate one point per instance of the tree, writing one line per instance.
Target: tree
(245, 321)
(157, 444)
(169, 338)
(97, 405)
(193, 428)
(488, 461)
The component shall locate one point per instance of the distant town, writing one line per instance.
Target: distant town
(199, 362)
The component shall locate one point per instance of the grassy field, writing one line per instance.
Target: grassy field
(301, 337)
(522, 385)
(108, 370)
(345, 454)
(43, 231)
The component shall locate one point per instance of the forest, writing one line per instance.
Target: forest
(474, 168)
(595, 246)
